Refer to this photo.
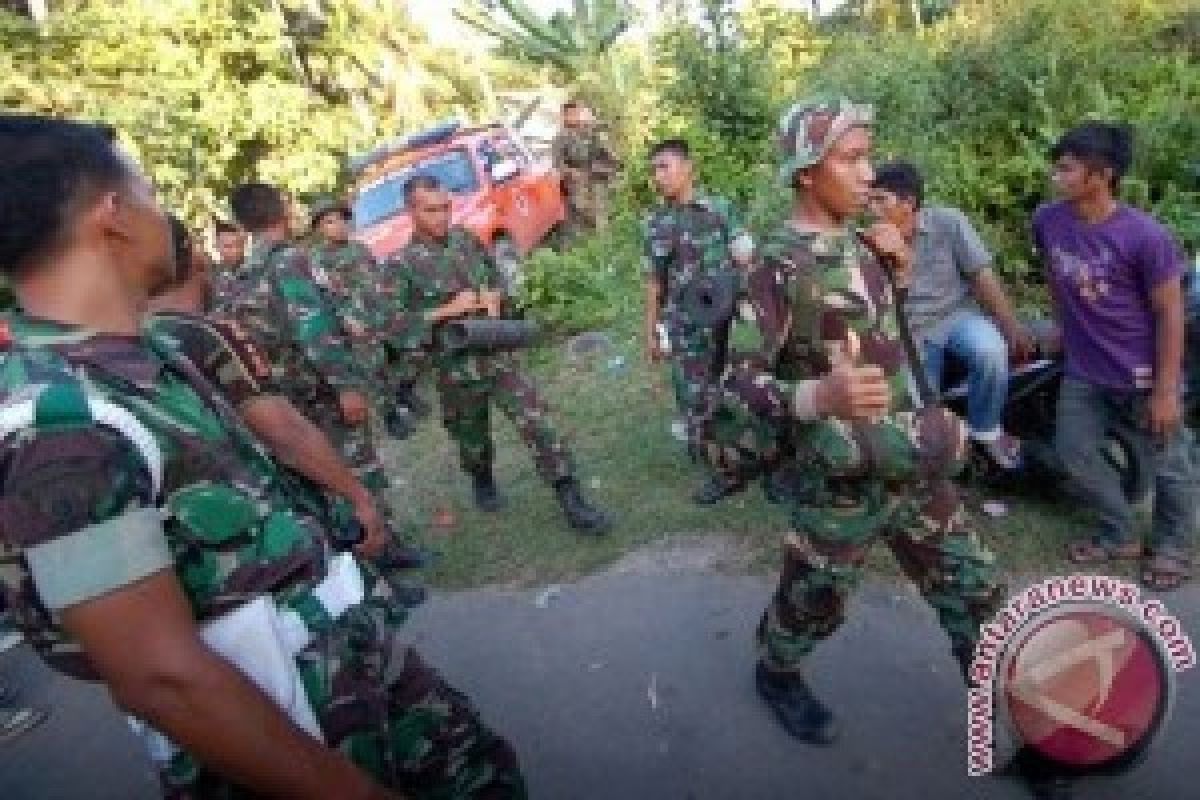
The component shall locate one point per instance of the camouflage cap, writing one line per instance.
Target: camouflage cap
(809, 128)
(323, 204)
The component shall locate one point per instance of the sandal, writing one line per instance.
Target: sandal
(1163, 572)
(1089, 551)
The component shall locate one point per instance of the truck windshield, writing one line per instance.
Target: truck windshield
(385, 198)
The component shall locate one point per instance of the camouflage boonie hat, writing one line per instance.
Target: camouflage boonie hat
(323, 204)
(809, 128)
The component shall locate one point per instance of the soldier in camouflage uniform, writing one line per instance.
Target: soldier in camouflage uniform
(230, 243)
(136, 508)
(584, 158)
(831, 370)
(349, 273)
(692, 236)
(445, 273)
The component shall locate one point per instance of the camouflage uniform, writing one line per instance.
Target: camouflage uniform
(683, 244)
(285, 305)
(428, 274)
(585, 161)
(120, 459)
(819, 300)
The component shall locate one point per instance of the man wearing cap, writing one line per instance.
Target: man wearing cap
(830, 368)
(351, 279)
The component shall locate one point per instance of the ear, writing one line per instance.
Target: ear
(106, 214)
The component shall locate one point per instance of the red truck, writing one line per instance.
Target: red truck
(498, 190)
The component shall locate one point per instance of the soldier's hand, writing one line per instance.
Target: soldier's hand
(853, 393)
(375, 531)
(492, 300)
(889, 245)
(353, 406)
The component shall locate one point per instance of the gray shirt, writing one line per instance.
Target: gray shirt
(948, 255)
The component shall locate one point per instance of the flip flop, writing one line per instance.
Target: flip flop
(1164, 572)
(1089, 551)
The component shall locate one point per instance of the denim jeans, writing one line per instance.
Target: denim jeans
(1087, 415)
(977, 342)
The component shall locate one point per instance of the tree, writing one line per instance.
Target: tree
(578, 45)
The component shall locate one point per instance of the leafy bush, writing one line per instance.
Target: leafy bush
(592, 284)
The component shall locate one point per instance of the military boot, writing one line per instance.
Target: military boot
(795, 706)
(487, 497)
(400, 422)
(406, 396)
(716, 489)
(579, 513)
(964, 653)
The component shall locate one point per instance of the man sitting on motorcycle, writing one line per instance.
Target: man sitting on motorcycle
(956, 304)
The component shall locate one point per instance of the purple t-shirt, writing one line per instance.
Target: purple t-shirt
(1102, 276)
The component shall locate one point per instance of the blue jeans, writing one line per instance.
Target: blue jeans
(1087, 415)
(977, 342)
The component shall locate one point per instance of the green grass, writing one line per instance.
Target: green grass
(616, 421)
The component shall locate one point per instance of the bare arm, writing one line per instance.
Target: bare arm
(301, 445)
(1166, 300)
(142, 641)
(991, 296)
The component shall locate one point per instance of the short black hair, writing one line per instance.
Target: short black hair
(224, 226)
(1099, 145)
(421, 181)
(901, 179)
(46, 167)
(181, 242)
(677, 146)
(570, 104)
(257, 206)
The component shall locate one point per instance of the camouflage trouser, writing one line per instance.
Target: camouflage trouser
(923, 524)
(737, 443)
(466, 415)
(415, 733)
(356, 444)
(587, 206)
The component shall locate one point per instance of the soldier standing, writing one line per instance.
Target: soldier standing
(692, 236)
(831, 370)
(136, 509)
(444, 273)
(350, 275)
(230, 243)
(584, 158)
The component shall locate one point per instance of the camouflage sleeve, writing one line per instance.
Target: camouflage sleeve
(407, 327)
(484, 272)
(78, 504)
(656, 249)
(750, 378)
(311, 324)
(558, 151)
(224, 352)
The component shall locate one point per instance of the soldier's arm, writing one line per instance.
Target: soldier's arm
(235, 363)
(312, 325)
(415, 312)
(851, 392)
(80, 504)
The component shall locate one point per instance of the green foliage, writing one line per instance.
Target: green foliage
(209, 93)
(591, 284)
(978, 100)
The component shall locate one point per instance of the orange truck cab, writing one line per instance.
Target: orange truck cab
(497, 190)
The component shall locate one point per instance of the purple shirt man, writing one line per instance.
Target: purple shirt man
(1101, 276)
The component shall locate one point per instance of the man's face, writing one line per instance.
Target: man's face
(573, 117)
(335, 226)
(231, 247)
(887, 206)
(430, 209)
(671, 173)
(1074, 180)
(841, 181)
(138, 235)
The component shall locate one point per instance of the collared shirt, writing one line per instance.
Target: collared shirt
(949, 253)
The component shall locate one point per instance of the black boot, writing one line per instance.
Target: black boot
(406, 396)
(487, 498)
(397, 556)
(716, 489)
(795, 706)
(399, 422)
(580, 515)
(964, 653)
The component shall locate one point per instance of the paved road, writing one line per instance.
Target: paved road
(635, 683)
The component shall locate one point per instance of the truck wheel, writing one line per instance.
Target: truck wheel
(508, 262)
